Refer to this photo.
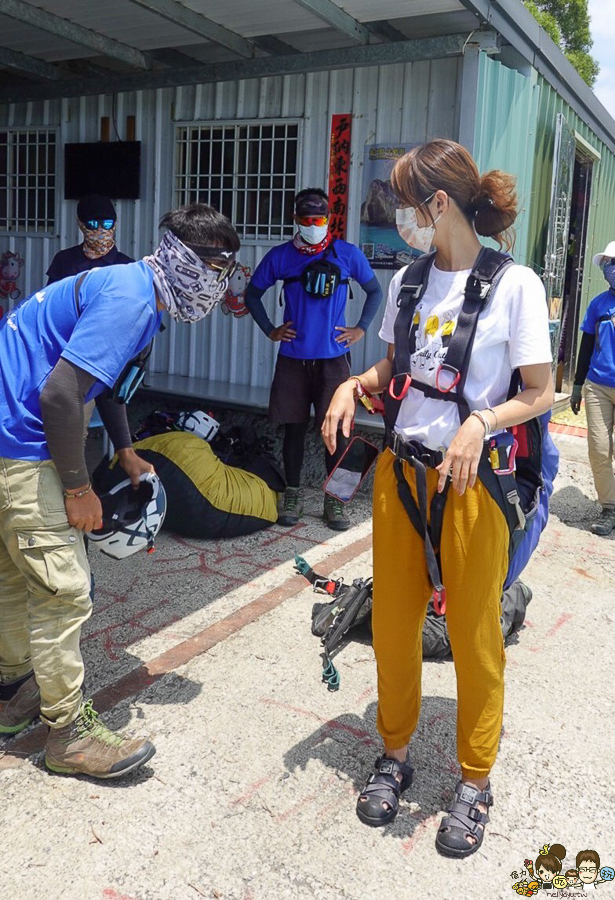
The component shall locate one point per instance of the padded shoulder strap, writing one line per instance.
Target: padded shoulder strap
(413, 286)
(489, 267)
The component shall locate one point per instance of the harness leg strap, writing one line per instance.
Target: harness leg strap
(418, 517)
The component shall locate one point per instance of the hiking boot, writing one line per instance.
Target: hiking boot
(335, 514)
(23, 707)
(292, 506)
(87, 747)
(605, 522)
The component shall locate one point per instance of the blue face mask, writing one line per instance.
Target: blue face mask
(608, 270)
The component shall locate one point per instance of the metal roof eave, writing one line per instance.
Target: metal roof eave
(517, 25)
(236, 69)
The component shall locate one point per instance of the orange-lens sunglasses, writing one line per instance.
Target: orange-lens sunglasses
(312, 220)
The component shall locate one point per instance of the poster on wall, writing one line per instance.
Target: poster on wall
(378, 236)
(339, 170)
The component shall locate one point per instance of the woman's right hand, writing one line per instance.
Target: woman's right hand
(341, 411)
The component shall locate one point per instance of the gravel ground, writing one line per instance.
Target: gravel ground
(251, 794)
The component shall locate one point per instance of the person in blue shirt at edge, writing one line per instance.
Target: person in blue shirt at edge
(314, 356)
(596, 369)
(97, 219)
(60, 348)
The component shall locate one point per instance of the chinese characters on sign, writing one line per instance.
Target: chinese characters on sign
(339, 166)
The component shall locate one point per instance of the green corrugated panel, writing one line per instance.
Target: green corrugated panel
(515, 131)
(505, 134)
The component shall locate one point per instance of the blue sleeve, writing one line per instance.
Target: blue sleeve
(266, 273)
(591, 316)
(373, 293)
(360, 268)
(110, 331)
(253, 302)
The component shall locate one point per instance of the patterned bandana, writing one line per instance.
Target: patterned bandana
(186, 285)
(608, 271)
(303, 246)
(97, 243)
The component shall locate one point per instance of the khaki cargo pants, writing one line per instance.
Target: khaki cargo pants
(44, 587)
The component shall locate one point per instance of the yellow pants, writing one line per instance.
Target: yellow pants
(474, 555)
(44, 588)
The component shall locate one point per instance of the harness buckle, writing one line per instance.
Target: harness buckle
(513, 499)
(412, 290)
(405, 388)
(439, 601)
(453, 371)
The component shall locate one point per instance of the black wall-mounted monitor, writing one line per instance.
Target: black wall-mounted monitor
(110, 168)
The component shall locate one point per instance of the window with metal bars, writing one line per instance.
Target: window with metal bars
(246, 170)
(27, 180)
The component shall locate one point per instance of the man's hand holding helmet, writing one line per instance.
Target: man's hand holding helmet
(83, 508)
(133, 465)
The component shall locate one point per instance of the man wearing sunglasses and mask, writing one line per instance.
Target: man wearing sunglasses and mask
(96, 219)
(62, 347)
(314, 356)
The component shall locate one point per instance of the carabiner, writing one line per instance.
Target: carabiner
(439, 601)
(454, 371)
(405, 388)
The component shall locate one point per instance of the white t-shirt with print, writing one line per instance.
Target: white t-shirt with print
(512, 331)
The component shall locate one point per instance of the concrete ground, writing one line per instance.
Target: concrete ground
(206, 646)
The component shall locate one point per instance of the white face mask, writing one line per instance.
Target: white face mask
(313, 234)
(410, 232)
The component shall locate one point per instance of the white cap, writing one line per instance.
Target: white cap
(609, 253)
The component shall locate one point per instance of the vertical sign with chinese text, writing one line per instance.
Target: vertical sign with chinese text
(339, 168)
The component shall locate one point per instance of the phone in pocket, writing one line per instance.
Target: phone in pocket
(351, 468)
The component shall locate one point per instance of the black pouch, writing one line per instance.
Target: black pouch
(321, 277)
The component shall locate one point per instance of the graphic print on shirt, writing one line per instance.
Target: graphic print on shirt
(431, 340)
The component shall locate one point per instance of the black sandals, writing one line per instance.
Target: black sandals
(461, 831)
(378, 802)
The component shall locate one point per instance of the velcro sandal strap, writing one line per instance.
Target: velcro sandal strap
(385, 765)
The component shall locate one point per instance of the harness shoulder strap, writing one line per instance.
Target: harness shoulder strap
(78, 282)
(413, 286)
(489, 267)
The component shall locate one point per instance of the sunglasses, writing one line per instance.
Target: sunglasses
(224, 270)
(312, 220)
(95, 224)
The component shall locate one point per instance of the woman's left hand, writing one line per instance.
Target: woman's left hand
(463, 455)
(133, 465)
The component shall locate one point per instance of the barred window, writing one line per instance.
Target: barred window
(248, 171)
(27, 179)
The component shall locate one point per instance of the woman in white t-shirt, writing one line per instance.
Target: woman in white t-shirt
(445, 203)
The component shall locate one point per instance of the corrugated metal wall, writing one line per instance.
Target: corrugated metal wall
(515, 131)
(412, 102)
(505, 134)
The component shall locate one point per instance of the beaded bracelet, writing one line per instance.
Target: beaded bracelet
(74, 495)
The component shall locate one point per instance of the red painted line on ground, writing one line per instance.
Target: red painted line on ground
(423, 822)
(565, 617)
(146, 674)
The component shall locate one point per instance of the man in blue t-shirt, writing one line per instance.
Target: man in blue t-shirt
(596, 363)
(65, 345)
(314, 338)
